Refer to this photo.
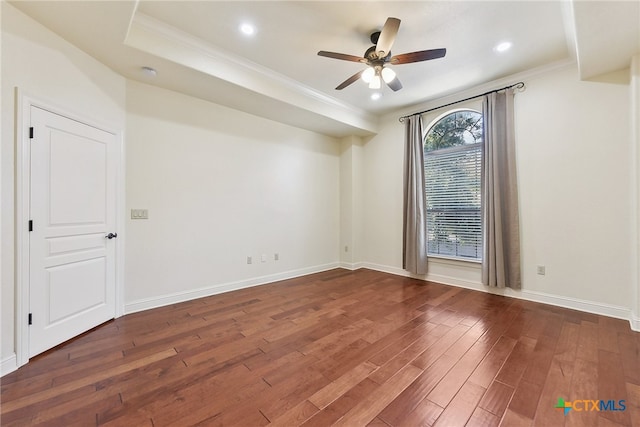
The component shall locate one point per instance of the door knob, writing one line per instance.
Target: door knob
(111, 236)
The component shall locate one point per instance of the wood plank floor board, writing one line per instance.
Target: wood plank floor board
(336, 410)
(389, 367)
(415, 393)
(483, 418)
(540, 361)
(296, 415)
(584, 385)
(273, 360)
(629, 346)
(518, 360)
(588, 342)
(519, 323)
(326, 395)
(337, 340)
(424, 414)
(612, 385)
(458, 412)
(458, 375)
(496, 399)
(633, 393)
(560, 375)
(284, 373)
(491, 364)
(212, 394)
(399, 344)
(299, 389)
(368, 408)
(431, 354)
(514, 419)
(77, 410)
(340, 347)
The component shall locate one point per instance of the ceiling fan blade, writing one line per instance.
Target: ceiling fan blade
(395, 84)
(387, 37)
(342, 56)
(422, 55)
(350, 80)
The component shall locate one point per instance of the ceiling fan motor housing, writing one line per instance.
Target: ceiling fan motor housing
(374, 37)
(372, 55)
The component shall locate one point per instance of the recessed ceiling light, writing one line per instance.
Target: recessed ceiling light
(503, 47)
(149, 71)
(376, 95)
(247, 29)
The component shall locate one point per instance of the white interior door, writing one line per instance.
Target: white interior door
(73, 209)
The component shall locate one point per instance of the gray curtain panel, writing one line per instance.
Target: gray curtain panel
(414, 253)
(501, 219)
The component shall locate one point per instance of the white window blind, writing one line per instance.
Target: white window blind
(452, 186)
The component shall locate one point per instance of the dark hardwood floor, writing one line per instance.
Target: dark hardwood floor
(337, 348)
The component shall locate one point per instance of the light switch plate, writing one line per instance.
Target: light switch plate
(139, 214)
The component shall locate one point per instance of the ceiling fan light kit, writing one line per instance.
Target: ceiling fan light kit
(367, 75)
(375, 83)
(388, 75)
(378, 58)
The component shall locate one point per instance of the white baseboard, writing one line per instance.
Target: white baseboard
(8, 365)
(575, 304)
(438, 278)
(540, 297)
(351, 265)
(635, 322)
(593, 307)
(161, 301)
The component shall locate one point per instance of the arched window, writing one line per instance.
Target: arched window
(453, 177)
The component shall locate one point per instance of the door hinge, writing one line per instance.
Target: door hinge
(30, 225)
(31, 132)
(31, 318)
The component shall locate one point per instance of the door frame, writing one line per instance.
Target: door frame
(24, 102)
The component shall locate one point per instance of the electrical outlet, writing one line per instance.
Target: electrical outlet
(276, 256)
(249, 260)
(263, 258)
(541, 269)
(346, 248)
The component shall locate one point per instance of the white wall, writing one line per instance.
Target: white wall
(44, 66)
(635, 197)
(575, 179)
(221, 185)
(351, 193)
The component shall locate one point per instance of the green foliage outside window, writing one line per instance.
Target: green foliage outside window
(457, 128)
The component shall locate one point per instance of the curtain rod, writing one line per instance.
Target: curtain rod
(519, 85)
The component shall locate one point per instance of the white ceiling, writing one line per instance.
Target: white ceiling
(197, 48)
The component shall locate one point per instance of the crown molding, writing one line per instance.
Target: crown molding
(165, 41)
(485, 87)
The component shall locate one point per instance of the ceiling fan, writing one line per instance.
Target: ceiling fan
(379, 56)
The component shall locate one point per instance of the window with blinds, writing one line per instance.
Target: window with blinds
(453, 176)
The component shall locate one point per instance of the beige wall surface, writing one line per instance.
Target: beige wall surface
(219, 186)
(575, 179)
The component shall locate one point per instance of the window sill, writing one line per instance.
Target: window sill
(440, 259)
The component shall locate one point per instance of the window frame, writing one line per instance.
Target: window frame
(474, 109)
